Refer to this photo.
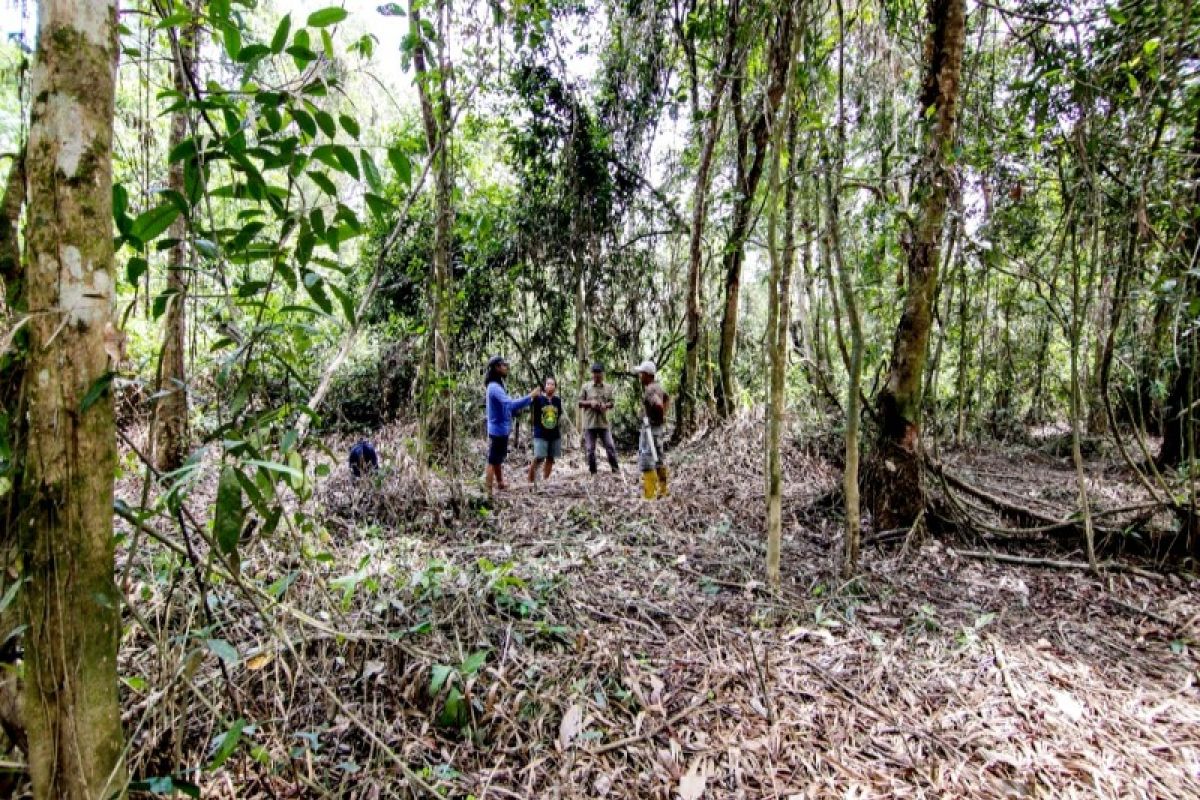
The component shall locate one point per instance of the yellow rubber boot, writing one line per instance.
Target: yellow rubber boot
(663, 474)
(649, 485)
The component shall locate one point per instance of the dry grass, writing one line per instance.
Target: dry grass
(632, 652)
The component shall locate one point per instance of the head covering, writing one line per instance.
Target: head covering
(496, 361)
(597, 367)
(647, 367)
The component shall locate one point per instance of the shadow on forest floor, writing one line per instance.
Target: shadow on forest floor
(575, 641)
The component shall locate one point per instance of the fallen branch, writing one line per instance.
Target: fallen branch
(1005, 558)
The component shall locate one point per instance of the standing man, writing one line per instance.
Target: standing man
(500, 410)
(547, 436)
(653, 441)
(596, 400)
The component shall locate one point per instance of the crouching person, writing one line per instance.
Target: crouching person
(653, 441)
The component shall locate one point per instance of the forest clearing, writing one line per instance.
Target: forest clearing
(664, 399)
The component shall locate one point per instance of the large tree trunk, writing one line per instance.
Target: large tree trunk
(171, 431)
(748, 178)
(1181, 414)
(70, 600)
(689, 380)
(895, 494)
(434, 90)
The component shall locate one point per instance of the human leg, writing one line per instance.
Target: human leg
(589, 446)
(610, 447)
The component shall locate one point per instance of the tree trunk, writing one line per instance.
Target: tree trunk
(70, 600)
(171, 431)
(434, 91)
(1181, 414)
(778, 322)
(896, 494)
(854, 359)
(689, 380)
(748, 178)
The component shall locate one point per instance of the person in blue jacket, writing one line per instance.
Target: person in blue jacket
(500, 410)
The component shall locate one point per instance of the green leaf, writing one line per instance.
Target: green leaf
(454, 711)
(226, 743)
(135, 268)
(374, 179)
(223, 650)
(233, 40)
(279, 40)
(401, 164)
(150, 224)
(474, 662)
(274, 466)
(304, 121)
(346, 160)
(315, 286)
(98, 390)
(322, 180)
(185, 149)
(327, 16)
(326, 124)
(350, 124)
(377, 205)
(437, 677)
(229, 514)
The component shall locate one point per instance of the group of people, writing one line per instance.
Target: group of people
(596, 400)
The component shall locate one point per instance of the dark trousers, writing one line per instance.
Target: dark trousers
(589, 444)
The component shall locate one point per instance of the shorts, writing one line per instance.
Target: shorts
(547, 449)
(497, 450)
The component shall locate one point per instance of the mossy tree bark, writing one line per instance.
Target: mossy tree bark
(896, 497)
(171, 428)
(64, 519)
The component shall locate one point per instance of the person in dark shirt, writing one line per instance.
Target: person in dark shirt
(547, 435)
(652, 445)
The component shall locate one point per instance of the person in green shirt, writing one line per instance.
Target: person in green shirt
(596, 400)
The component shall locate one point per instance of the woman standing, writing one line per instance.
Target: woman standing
(500, 410)
(547, 437)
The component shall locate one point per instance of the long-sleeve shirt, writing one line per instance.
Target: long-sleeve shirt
(500, 409)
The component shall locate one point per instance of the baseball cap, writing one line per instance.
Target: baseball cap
(496, 361)
(647, 367)
(597, 367)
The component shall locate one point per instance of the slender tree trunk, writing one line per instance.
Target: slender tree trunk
(689, 380)
(897, 497)
(778, 322)
(1075, 336)
(433, 88)
(70, 601)
(748, 178)
(854, 358)
(171, 425)
(581, 342)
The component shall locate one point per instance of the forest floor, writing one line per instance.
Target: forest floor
(574, 641)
